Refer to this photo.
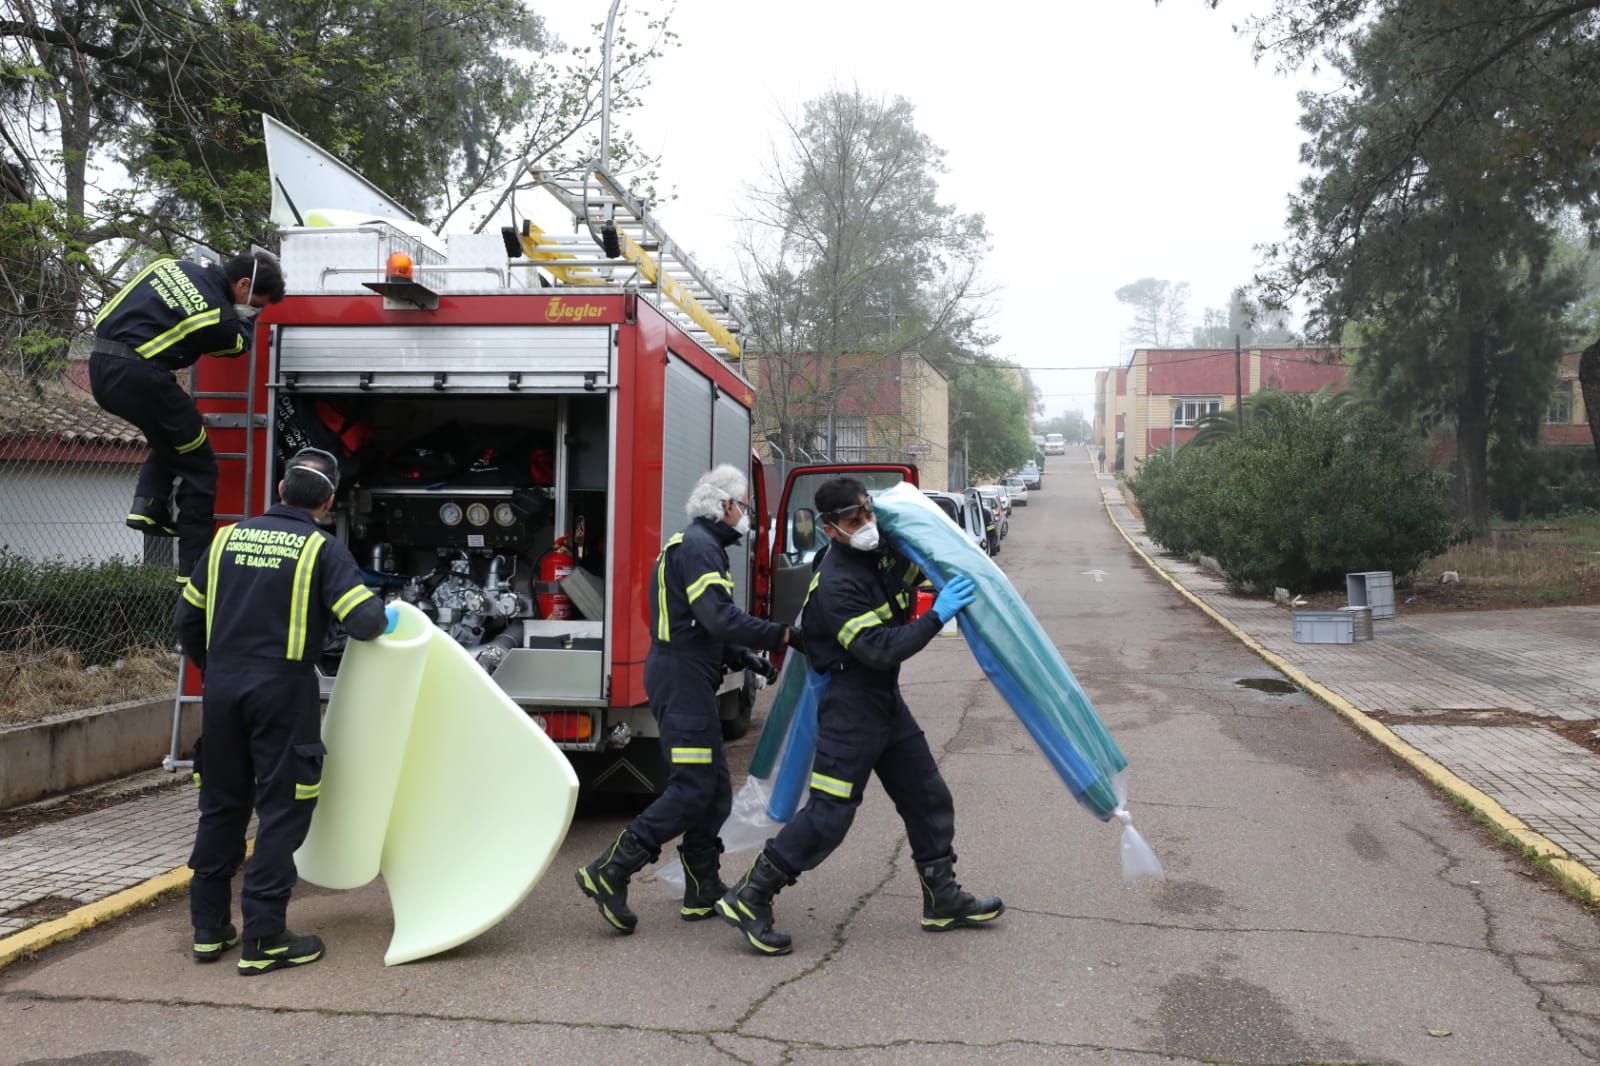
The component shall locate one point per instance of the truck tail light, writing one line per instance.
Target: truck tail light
(573, 726)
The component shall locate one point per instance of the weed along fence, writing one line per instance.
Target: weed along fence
(1371, 596)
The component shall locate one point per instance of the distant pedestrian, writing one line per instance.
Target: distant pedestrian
(162, 321)
(1102, 458)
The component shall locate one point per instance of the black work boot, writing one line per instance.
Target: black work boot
(278, 953)
(606, 879)
(702, 883)
(209, 944)
(151, 516)
(749, 906)
(946, 905)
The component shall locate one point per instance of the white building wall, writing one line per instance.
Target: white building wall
(73, 512)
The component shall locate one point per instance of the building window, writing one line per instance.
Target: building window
(1190, 411)
(849, 440)
(1559, 413)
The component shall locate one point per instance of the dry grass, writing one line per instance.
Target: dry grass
(38, 684)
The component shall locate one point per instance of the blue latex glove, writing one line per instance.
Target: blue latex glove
(957, 593)
(393, 619)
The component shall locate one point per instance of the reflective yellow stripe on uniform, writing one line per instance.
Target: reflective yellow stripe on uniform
(307, 792)
(185, 449)
(852, 629)
(193, 596)
(705, 581)
(162, 341)
(300, 598)
(219, 544)
(691, 756)
(663, 627)
(347, 603)
(831, 785)
(111, 305)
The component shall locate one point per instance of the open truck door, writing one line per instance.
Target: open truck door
(798, 534)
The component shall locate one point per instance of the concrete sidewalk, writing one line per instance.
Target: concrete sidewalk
(1467, 698)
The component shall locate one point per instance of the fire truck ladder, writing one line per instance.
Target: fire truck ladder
(599, 203)
(250, 421)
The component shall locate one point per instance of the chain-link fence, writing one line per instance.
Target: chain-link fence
(86, 604)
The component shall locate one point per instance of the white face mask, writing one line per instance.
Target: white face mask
(246, 311)
(742, 526)
(865, 539)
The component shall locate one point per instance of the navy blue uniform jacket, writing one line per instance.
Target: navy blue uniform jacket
(692, 612)
(173, 312)
(261, 595)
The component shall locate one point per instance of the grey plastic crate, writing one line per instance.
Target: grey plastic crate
(1324, 627)
(1374, 588)
(1360, 622)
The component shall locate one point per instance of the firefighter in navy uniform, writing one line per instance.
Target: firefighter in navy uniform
(162, 321)
(252, 618)
(696, 633)
(858, 629)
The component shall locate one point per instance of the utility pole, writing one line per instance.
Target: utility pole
(1238, 386)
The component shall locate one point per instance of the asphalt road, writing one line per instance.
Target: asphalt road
(1322, 904)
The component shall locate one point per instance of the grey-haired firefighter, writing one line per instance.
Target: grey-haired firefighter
(165, 319)
(858, 629)
(252, 618)
(697, 633)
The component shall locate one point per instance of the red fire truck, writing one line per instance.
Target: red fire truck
(522, 417)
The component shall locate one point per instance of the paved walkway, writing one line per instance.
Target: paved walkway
(1467, 697)
(1476, 692)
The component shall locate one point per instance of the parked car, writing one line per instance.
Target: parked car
(1017, 489)
(1000, 492)
(1032, 476)
(992, 498)
(965, 509)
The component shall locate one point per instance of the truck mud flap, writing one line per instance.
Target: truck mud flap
(637, 769)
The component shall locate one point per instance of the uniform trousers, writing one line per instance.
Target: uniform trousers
(864, 729)
(149, 396)
(699, 793)
(262, 749)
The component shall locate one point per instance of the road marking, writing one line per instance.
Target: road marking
(1098, 575)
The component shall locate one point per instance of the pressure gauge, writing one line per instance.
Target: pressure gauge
(450, 514)
(504, 515)
(477, 514)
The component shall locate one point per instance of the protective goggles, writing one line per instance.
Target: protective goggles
(849, 519)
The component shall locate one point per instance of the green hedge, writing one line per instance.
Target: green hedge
(1307, 492)
(98, 610)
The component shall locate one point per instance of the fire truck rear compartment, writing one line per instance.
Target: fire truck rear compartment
(476, 549)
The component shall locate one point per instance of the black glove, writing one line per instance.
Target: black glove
(760, 666)
(797, 640)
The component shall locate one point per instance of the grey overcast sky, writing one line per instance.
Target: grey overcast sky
(1102, 140)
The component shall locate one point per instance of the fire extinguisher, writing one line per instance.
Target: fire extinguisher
(554, 566)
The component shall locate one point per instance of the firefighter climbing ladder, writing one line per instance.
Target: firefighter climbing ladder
(253, 423)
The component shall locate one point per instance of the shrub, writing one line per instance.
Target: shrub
(1307, 492)
(97, 610)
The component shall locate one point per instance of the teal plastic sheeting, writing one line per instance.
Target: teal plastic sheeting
(1013, 651)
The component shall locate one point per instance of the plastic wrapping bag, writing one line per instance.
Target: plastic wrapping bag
(779, 768)
(1031, 675)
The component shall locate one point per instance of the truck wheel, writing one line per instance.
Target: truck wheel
(735, 708)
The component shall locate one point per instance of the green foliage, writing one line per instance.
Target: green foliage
(1541, 482)
(852, 259)
(1430, 216)
(989, 413)
(1159, 312)
(99, 610)
(1306, 493)
(131, 131)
